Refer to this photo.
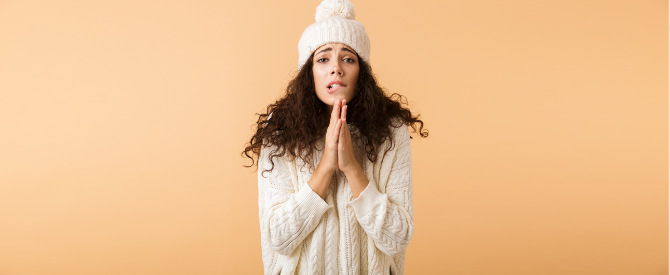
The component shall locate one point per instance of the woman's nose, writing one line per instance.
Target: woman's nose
(336, 70)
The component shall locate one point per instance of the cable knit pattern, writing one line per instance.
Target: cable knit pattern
(303, 234)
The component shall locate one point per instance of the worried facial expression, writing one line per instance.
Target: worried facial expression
(335, 72)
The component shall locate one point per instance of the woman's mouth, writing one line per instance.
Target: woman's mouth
(334, 87)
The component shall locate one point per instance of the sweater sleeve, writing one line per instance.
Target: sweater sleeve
(287, 215)
(387, 217)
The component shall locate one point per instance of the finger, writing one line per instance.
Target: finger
(336, 112)
(344, 113)
(338, 109)
(338, 130)
(343, 129)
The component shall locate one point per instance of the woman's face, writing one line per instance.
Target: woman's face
(335, 63)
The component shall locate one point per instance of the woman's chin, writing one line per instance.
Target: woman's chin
(336, 97)
(331, 98)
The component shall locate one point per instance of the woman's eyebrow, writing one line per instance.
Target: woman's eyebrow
(347, 49)
(330, 49)
(325, 50)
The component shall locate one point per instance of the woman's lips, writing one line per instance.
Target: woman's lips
(333, 89)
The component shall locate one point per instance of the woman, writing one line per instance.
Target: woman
(334, 177)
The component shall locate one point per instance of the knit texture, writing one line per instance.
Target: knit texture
(303, 234)
(335, 21)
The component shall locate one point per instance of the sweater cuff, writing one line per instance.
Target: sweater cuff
(368, 200)
(310, 203)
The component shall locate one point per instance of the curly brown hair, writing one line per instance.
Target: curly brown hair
(300, 118)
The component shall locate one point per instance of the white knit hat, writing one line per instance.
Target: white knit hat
(334, 24)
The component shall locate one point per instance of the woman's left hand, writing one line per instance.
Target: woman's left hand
(346, 160)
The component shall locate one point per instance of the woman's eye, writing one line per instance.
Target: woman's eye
(320, 60)
(350, 60)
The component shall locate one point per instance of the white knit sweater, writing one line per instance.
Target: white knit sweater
(303, 234)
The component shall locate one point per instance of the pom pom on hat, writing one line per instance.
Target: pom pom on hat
(335, 23)
(329, 8)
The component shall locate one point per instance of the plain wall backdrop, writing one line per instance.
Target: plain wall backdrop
(122, 124)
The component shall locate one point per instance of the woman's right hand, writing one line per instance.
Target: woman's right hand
(329, 158)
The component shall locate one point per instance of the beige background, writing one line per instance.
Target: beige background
(122, 123)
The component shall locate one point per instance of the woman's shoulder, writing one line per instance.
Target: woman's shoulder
(397, 122)
(399, 135)
(398, 126)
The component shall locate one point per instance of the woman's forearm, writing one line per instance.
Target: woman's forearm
(320, 180)
(357, 179)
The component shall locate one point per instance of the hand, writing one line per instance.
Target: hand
(329, 160)
(346, 160)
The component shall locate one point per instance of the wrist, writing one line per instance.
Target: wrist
(325, 169)
(357, 179)
(353, 170)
